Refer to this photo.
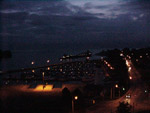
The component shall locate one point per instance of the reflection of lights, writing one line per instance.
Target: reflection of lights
(141, 56)
(123, 89)
(128, 100)
(128, 96)
(44, 88)
(137, 60)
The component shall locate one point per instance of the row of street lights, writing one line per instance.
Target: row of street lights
(32, 63)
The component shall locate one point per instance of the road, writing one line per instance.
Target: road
(140, 100)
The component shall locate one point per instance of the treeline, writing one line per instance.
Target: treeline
(5, 54)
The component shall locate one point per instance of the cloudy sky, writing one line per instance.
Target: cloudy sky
(89, 24)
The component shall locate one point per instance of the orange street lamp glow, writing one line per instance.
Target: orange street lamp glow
(33, 71)
(108, 65)
(130, 78)
(111, 68)
(48, 68)
(93, 101)
(116, 85)
(121, 54)
(76, 97)
(32, 63)
(43, 88)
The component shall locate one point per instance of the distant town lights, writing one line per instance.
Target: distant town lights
(93, 101)
(32, 63)
(48, 61)
(123, 89)
(121, 54)
(33, 71)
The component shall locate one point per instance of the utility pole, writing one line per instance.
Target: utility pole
(119, 92)
(72, 106)
(111, 93)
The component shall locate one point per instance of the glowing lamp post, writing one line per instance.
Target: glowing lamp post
(116, 85)
(130, 78)
(48, 68)
(74, 98)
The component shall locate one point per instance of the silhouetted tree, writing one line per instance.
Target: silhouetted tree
(124, 108)
(66, 99)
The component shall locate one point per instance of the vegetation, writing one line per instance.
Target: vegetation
(124, 108)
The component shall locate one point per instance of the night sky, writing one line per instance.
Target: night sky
(75, 24)
(67, 23)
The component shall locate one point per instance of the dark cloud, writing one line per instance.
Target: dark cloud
(68, 24)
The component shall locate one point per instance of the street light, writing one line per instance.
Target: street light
(118, 88)
(48, 68)
(74, 98)
(33, 71)
(130, 78)
(116, 85)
